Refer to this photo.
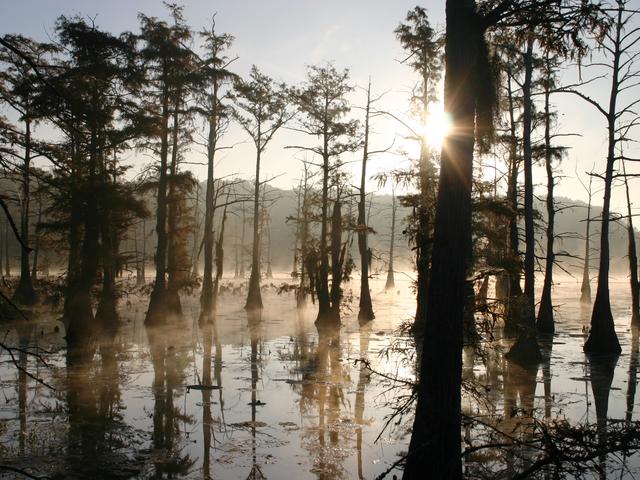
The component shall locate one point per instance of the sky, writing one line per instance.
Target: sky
(282, 37)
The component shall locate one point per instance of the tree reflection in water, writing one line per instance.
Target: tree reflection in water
(169, 357)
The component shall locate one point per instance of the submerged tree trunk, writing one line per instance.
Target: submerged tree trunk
(36, 249)
(7, 263)
(219, 259)
(585, 289)
(295, 273)
(322, 280)
(434, 451)
(515, 290)
(545, 321)
(391, 283)
(106, 313)
(156, 312)
(196, 231)
(633, 259)
(173, 283)
(336, 260)
(254, 296)
(78, 311)
(365, 312)
(24, 292)
(423, 245)
(602, 336)
(526, 350)
(305, 284)
(206, 295)
(242, 240)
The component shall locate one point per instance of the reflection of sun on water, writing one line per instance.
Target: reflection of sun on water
(436, 128)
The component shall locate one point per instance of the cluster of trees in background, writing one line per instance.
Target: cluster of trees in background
(100, 96)
(96, 97)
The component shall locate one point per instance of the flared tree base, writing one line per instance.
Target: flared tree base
(25, 293)
(602, 336)
(525, 352)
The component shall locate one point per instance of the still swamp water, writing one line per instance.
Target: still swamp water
(274, 397)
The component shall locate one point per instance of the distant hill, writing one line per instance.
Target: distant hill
(570, 226)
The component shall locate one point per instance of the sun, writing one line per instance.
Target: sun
(436, 128)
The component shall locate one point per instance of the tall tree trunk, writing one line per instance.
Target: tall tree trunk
(633, 258)
(322, 281)
(207, 275)
(78, 310)
(585, 289)
(424, 224)
(219, 258)
(294, 271)
(139, 275)
(336, 260)
(106, 313)
(156, 312)
(434, 451)
(143, 261)
(7, 263)
(36, 248)
(24, 292)
(2, 245)
(173, 281)
(391, 283)
(515, 290)
(242, 240)
(526, 350)
(305, 275)
(196, 233)
(254, 296)
(266, 220)
(545, 321)
(365, 314)
(602, 337)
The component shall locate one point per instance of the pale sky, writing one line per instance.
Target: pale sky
(283, 36)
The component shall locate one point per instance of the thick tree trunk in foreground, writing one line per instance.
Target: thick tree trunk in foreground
(434, 451)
